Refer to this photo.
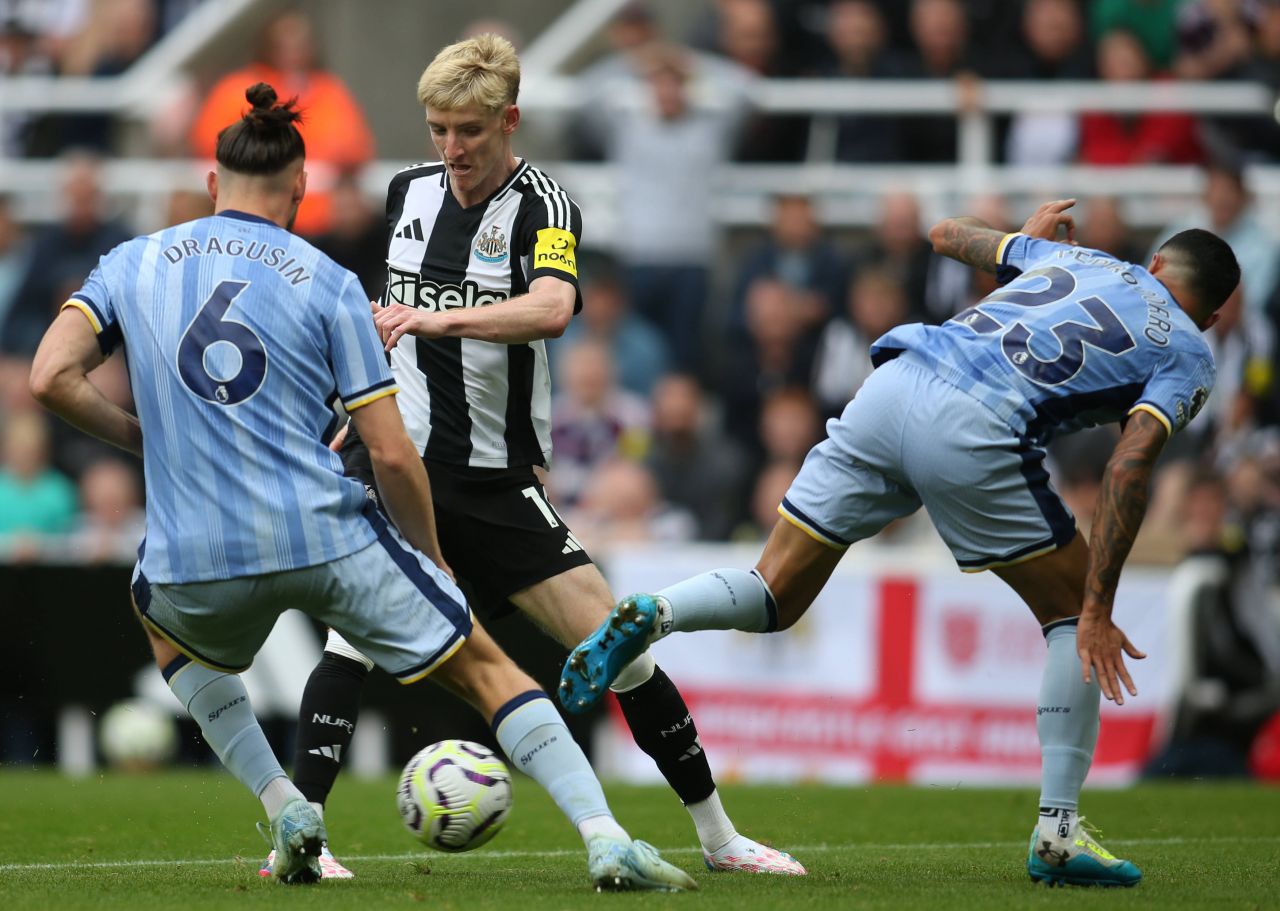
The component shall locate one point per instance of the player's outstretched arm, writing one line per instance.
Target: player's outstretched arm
(967, 239)
(1122, 504)
(973, 242)
(544, 312)
(402, 481)
(59, 381)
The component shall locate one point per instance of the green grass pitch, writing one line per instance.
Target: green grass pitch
(186, 840)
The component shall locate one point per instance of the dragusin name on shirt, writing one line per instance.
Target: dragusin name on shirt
(257, 251)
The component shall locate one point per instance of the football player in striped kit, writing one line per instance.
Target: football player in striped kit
(481, 270)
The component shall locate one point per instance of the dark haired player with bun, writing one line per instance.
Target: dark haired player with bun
(240, 337)
(954, 419)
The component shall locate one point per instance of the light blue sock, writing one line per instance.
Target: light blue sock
(220, 705)
(1066, 720)
(720, 599)
(535, 738)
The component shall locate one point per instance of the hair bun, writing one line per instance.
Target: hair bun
(262, 96)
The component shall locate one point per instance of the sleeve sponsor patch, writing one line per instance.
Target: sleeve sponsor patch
(556, 249)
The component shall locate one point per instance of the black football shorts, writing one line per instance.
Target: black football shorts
(497, 529)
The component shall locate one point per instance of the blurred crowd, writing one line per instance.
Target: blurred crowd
(702, 367)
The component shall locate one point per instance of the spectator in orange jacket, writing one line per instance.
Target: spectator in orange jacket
(335, 130)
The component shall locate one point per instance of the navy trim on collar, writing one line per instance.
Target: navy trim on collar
(246, 216)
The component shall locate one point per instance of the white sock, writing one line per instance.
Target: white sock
(601, 825)
(277, 793)
(713, 825)
(1056, 823)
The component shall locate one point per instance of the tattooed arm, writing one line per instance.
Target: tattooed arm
(967, 239)
(974, 242)
(1122, 503)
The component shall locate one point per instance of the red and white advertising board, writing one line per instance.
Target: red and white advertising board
(901, 671)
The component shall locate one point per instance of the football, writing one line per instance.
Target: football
(136, 734)
(454, 795)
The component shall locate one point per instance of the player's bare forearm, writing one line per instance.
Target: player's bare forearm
(544, 312)
(967, 239)
(397, 467)
(406, 494)
(78, 402)
(59, 381)
(1122, 504)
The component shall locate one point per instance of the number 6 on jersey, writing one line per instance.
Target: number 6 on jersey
(205, 359)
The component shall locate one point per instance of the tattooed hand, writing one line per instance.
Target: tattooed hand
(1122, 503)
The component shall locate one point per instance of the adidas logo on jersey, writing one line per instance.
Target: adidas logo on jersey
(411, 230)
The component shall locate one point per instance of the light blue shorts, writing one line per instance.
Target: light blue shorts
(909, 439)
(388, 600)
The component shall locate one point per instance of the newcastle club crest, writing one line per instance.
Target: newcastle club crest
(491, 247)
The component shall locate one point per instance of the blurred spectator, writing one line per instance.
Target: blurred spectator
(900, 249)
(665, 154)
(62, 256)
(940, 35)
(20, 55)
(773, 359)
(696, 466)
(1226, 638)
(113, 521)
(789, 425)
(639, 353)
(187, 205)
(1254, 138)
(876, 303)
(1151, 22)
(1243, 347)
(117, 34)
(1052, 44)
(858, 39)
(631, 35)
(35, 499)
(335, 130)
(357, 236)
(1214, 38)
(765, 36)
(748, 35)
(1157, 137)
(1053, 47)
(592, 419)
(1101, 225)
(621, 505)
(797, 254)
(770, 487)
(1229, 212)
(14, 251)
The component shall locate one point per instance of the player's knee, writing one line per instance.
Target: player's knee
(787, 600)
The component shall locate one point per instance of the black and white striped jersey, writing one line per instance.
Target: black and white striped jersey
(465, 401)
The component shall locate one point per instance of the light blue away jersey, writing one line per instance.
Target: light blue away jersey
(239, 337)
(1074, 339)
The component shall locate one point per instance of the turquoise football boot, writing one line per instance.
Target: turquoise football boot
(1078, 860)
(600, 658)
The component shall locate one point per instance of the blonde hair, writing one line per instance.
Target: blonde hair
(482, 71)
